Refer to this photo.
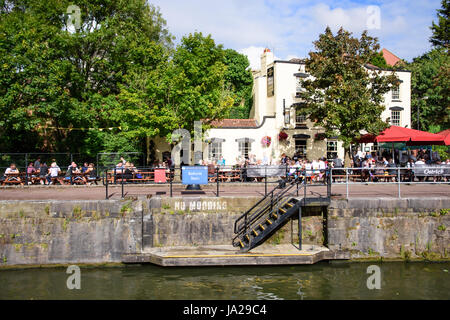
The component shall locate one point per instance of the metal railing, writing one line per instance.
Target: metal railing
(419, 174)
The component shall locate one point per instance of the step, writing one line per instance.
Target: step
(289, 204)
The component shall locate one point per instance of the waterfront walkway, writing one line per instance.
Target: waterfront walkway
(233, 190)
(227, 255)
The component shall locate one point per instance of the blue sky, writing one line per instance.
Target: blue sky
(288, 27)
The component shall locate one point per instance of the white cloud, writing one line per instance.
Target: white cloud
(254, 56)
(288, 27)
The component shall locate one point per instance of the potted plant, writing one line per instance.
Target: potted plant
(282, 136)
(266, 141)
(320, 136)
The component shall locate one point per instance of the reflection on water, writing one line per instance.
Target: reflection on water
(320, 281)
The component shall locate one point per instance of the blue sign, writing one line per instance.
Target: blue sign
(195, 175)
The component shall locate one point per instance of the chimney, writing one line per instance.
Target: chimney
(266, 59)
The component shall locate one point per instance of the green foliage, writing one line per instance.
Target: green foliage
(441, 29)
(52, 80)
(430, 79)
(379, 61)
(111, 85)
(344, 97)
(239, 79)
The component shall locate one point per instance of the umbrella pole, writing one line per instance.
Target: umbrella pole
(393, 152)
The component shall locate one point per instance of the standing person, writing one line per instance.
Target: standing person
(43, 172)
(37, 163)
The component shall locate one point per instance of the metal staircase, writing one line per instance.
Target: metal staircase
(268, 215)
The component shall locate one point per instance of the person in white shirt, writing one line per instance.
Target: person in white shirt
(54, 171)
(12, 169)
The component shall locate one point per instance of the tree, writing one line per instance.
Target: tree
(198, 88)
(441, 30)
(239, 80)
(430, 74)
(56, 83)
(379, 61)
(343, 96)
(174, 89)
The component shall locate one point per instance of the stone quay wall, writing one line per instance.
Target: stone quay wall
(93, 232)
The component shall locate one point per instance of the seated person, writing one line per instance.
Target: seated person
(91, 174)
(54, 172)
(12, 170)
(43, 171)
(71, 170)
(85, 167)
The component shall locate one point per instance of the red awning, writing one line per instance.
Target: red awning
(400, 134)
(446, 135)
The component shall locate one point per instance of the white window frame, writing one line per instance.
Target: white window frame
(333, 150)
(304, 153)
(244, 147)
(395, 92)
(395, 118)
(215, 150)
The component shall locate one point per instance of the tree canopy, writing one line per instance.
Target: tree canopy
(441, 29)
(343, 96)
(110, 84)
(430, 89)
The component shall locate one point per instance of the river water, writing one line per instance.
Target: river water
(415, 280)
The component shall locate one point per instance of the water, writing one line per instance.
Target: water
(320, 281)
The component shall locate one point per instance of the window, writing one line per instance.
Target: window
(331, 149)
(298, 85)
(395, 117)
(300, 147)
(215, 150)
(300, 121)
(244, 148)
(374, 147)
(270, 82)
(396, 93)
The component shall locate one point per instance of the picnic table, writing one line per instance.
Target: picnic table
(14, 178)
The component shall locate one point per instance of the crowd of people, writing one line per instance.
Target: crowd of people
(369, 165)
(40, 172)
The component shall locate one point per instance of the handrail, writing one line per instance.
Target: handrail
(250, 218)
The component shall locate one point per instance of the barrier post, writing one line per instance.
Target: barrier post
(106, 184)
(170, 180)
(398, 182)
(121, 179)
(217, 180)
(346, 181)
(265, 180)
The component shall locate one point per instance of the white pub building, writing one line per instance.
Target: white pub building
(276, 97)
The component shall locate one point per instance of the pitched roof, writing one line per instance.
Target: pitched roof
(391, 59)
(235, 123)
